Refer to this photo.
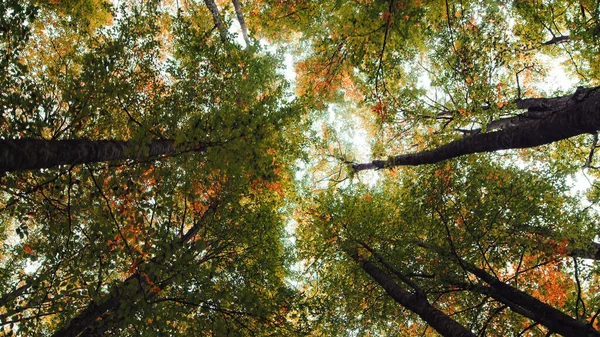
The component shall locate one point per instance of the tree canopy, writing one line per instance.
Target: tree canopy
(292, 168)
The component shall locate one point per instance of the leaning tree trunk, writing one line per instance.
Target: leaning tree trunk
(571, 116)
(519, 301)
(214, 11)
(529, 306)
(418, 304)
(28, 154)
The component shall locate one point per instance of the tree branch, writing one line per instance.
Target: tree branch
(571, 116)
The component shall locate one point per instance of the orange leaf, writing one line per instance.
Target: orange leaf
(28, 250)
(386, 16)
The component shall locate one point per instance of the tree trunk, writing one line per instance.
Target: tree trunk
(127, 290)
(572, 115)
(438, 320)
(592, 253)
(529, 306)
(214, 11)
(29, 154)
(557, 40)
(240, 17)
(519, 301)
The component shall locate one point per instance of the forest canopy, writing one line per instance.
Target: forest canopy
(293, 168)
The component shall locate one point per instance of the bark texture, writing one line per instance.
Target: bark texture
(29, 154)
(214, 11)
(570, 116)
(437, 319)
(508, 122)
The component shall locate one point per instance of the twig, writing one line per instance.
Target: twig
(588, 162)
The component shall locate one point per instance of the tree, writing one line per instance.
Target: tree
(564, 117)
(463, 250)
(23, 154)
(158, 177)
(136, 225)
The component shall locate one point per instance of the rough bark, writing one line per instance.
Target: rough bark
(571, 116)
(438, 320)
(29, 154)
(240, 17)
(214, 11)
(508, 122)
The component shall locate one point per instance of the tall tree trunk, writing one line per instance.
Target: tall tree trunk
(240, 17)
(438, 320)
(28, 154)
(214, 11)
(571, 116)
(519, 301)
(529, 306)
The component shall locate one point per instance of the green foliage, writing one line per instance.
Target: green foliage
(503, 219)
(200, 231)
(246, 226)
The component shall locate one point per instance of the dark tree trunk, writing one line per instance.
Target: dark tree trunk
(125, 292)
(529, 306)
(28, 154)
(438, 320)
(214, 11)
(557, 40)
(519, 301)
(571, 116)
(592, 253)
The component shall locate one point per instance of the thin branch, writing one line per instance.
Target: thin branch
(528, 328)
(579, 299)
(588, 162)
(385, 37)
